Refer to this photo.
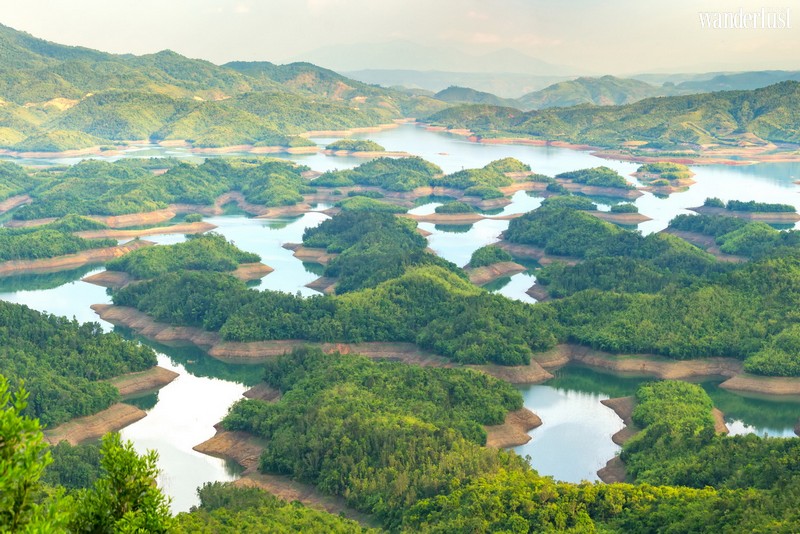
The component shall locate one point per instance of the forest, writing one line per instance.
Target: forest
(49, 240)
(63, 364)
(100, 188)
(206, 252)
(407, 460)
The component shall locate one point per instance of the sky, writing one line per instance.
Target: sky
(587, 36)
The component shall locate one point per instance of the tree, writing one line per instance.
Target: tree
(23, 458)
(126, 498)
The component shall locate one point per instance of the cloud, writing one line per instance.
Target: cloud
(484, 38)
(241, 8)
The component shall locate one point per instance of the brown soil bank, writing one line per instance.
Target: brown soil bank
(767, 217)
(252, 271)
(483, 275)
(538, 292)
(260, 351)
(644, 364)
(144, 381)
(514, 430)
(70, 261)
(308, 254)
(13, 202)
(629, 219)
(113, 418)
(183, 228)
(112, 279)
(117, 279)
(533, 253)
(245, 449)
(771, 385)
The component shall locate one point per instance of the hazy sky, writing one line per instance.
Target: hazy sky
(612, 36)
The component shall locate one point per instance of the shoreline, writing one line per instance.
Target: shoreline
(512, 432)
(763, 216)
(180, 228)
(70, 261)
(367, 154)
(489, 273)
(118, 415)
(256, 352)
(726, 156)
(245, 449)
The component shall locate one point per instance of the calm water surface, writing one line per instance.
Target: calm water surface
(574, 440)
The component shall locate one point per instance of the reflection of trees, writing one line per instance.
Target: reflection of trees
(198, 363)
(32, 282)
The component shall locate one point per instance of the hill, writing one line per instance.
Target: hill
(740, 119)
(604, 91)
(83, 94)
(465, 95)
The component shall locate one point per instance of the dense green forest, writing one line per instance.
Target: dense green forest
(678, 446)
(207, 252)
(386, 293)
(598, 177)
(487, 256)
(63, 363)
(750, 205)
(49, 240)
(100, 188)
(358, 429)
(60, 98)
(406, 174)
(663, 123)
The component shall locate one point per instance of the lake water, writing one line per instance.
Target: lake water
(574, 440)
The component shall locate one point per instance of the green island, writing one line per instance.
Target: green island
(488, 255)
(750, 205)
(107, 189)
(206, 252)
(597, 176)
(455, 207)
(388, 289)
(355, 145)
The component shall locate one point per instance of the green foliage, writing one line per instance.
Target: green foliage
(63, 363)
(23, 459)
(126, 498)
(597, 176)
(575, 202)
(207, 252)
(375, 436)
(455, 207)
(228, 509)
(711, 225)
(356, 145)
(363, 203)
(488, 255)
(579, 234)
(713, 202)
(624, 208)
(508, 165)
(14, 180)
(58, 141)
(753, 206)
(664, 123)
(73, 466)
(651, 173)
(48, 241)
(392, 174)
(779, 357)
(100, 188)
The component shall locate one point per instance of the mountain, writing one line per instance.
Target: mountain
(604, 91)
(739, 80)
(52, 95)
(407, 55)
(465, 95)
(502, 84)
(733, 118)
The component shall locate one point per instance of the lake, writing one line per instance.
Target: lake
(575, 438)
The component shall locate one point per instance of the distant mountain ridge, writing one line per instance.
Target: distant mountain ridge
(732, 118)
(57, 97)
